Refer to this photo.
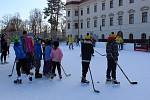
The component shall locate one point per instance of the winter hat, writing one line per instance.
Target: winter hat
(16, 39)
(87, 36)
(56, 44)
(111, 38)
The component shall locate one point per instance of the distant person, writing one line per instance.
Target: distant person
(119, 40)
(71, 42)
(112, 58)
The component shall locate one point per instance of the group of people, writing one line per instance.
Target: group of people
(29, 53)
(70, 40)
(112, 47)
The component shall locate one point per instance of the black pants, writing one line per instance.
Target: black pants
(85, 66)
(30, 60)
(22, 64)
(54, 65)
(111, 69)
(37, 65)
(3, 55)
(47, 67)
(70, 45)
(120, 46)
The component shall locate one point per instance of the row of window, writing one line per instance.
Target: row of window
(95, 7)
(144, 19)
(143, 36)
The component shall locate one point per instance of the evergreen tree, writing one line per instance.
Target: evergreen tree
(53, 12)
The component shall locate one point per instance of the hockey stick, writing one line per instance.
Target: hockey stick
(67, 75)
(100, 53)
(12, 69)
(96, 91)
(123, 72)
(126, 75)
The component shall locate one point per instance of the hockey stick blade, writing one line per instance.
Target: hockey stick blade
(9, 75)
(134, 82)
(96, 91)
(68, 75)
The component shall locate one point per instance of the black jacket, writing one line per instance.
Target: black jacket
(112, 50)
(86, 51)
(3, 44)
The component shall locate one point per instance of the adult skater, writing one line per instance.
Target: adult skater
(86, 54)
(20, 61)
(3, 49)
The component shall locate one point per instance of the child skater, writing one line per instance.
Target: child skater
(56, 56)
(21, 61)
(37, 57)
(47, 59)
(112, 58)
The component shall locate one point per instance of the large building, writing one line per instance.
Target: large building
(101, 17)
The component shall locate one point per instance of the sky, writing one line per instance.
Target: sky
(21, 6)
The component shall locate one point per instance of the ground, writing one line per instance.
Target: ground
(134, 63)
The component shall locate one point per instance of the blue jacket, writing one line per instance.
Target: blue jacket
(47, 53)
(37, 51)
(20, 54)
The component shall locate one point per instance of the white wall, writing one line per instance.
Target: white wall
(136, 29)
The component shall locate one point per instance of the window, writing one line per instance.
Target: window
(103, 36)
(103, 6)
(68, 25)
(81, 12)
(88, 10)
(120, 20)
(76, 12)
(131, 36)
(68, 13)
(103, 22)
(81, 25)
(120, 2)
(111, 3)
(88, 24)
(144, 17)
(131, 1)
(131, 19)
(76, 26)
(95, 23)
(111, 21)
(95, 8)
(143, 36)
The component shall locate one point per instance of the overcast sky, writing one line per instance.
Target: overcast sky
(21, 6)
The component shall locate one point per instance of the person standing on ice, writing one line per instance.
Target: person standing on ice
(56, 56)
(71, 40)
(112, 58)
(37, 57)
(87, 51)
(47, 59)
(20, 61)
(3, 49)
(28, 47)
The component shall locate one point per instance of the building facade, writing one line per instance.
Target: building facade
(101, 17)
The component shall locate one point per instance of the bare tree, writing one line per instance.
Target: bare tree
(36, 20)
(5, 20)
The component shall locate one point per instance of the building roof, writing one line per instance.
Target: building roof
(68, 2)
